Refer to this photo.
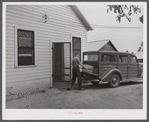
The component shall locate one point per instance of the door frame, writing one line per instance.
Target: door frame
(52, 43)
(51, 70)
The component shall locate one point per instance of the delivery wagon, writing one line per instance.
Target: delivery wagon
(109, 66)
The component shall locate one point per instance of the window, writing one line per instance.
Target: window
(113, 58)
(133, 59)
(123, 58)
(90, 57)
(25, 48)
(105, 58)
(108, 58)
(76, 46)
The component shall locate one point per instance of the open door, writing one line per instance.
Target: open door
(61, 65)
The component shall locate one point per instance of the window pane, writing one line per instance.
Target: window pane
(90, 58)
(113, 58)
(25, 51)
(25, 38)
(123, 58)
(25, 42)
(133, 59)
(77, 51)
(25, 60)
(76, 43)
(104, 58)
(25, 47)
(108, 58)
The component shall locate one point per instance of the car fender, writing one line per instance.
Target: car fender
(108, 74)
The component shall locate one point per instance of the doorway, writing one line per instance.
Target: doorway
(61, 62)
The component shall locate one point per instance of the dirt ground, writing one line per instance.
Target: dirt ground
(126, 96)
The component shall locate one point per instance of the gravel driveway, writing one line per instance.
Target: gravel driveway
(126, 96)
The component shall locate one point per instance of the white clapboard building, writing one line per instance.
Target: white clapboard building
(40, 43)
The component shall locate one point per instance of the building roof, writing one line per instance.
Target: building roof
(97, 45)
(81, 17)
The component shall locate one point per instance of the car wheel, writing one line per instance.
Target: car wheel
(94, 83)
(114, 81)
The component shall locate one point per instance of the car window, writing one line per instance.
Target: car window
(108, 58)
(90, 57)
(123, 58)
(133, 59)
(104, 58)
(113, 58)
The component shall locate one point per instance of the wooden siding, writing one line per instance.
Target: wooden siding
(61, 26)
(124, 70)
(106, 67)
(134, 71)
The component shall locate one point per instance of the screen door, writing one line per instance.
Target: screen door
(62, 65)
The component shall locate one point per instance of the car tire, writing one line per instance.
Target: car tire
(94, 83)
(114, 81)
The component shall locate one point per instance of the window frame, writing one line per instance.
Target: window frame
(76, 49)
(16, 46)
(125, 56)
(108, 62)
(135, 59)
(90, 60)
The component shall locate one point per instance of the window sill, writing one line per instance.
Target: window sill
(27, 66)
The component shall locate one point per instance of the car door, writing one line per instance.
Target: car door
(108, 61)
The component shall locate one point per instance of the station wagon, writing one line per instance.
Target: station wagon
(109, 66)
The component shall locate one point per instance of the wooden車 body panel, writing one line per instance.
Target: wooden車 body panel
(124, 68)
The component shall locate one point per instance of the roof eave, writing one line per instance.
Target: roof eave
(81, 17)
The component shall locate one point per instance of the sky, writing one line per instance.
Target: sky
(122, 38)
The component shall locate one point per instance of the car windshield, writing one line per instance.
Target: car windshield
(91, 57)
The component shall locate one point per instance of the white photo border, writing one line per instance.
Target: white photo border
(63, 114)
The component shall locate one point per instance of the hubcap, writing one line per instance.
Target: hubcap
(114, 80)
